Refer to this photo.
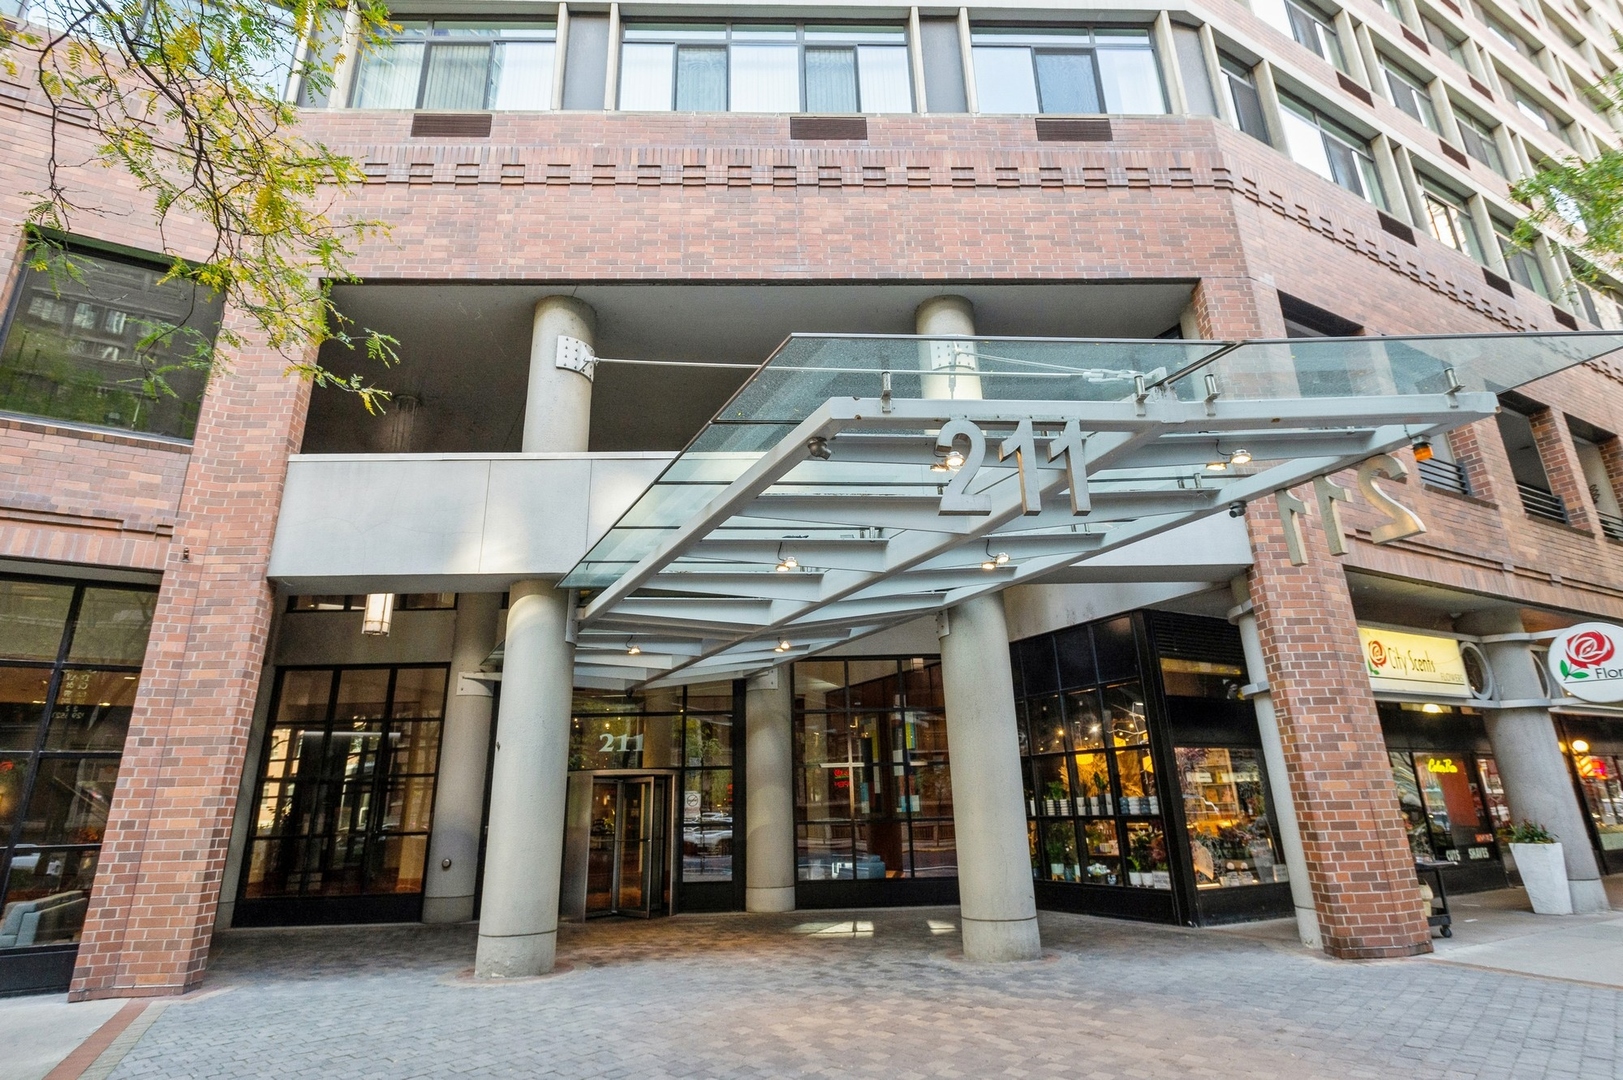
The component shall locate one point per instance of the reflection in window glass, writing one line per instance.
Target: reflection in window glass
(1330, 150)
(32, 615)
(1231, 839)
(22, 702)
(112, 627)
(86, 346)
(92, 710)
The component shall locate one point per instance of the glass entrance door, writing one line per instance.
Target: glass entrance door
(626, 871)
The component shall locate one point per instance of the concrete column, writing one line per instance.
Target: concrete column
(1526, 750)
(518, 922)
(558, 406)
(997, 905)
(459, 795)
(769, 838)
(948, 316)
(518, 919)
(1279, 775)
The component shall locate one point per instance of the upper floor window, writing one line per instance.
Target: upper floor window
(1537, 113)
(1072, 70)
(1507, 35)
(1449, 218)
(459, 64)
(1308, 26)
(1444, 40)
(1242, 91)
(1479, 141)
(1520, 263)
(109, 342)
(1410, 94)
(721, 67)
(1330, 150)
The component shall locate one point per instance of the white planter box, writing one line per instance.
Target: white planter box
(1544, 871)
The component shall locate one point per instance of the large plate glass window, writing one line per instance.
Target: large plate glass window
(785, 68)
(109, 343)
(1449, 219)
(1442, 796)
(1066, 70)
(459, 64)
(1478, 140)
(1330, 149)
(873, 787)
(70, 666)
(346, 785)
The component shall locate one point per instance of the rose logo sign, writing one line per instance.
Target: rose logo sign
(1584, 662)
(1377, 655)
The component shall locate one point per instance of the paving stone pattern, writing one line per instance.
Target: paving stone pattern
(879, 994)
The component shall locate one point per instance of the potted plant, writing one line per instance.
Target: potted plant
(1140, 859)
(1543, 867)
(1054, 798)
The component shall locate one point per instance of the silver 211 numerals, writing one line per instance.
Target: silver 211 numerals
(1069, 446)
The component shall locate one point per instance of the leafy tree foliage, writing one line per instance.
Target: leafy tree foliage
(186, 97)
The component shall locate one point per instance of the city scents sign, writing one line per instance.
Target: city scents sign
(1414, 664)
(1587, 661)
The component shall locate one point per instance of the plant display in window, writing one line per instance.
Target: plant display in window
(190, 101)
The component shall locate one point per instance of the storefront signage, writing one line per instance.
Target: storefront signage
(1413, 664)
(1399, 521)
(1587, 661)
(1441, 765)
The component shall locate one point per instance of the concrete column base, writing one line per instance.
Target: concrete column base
(516, 957)
(1001, 940)
(765, 900)
(1588, 897)
(448, 909)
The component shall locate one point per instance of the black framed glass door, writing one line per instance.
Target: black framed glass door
(626, 865)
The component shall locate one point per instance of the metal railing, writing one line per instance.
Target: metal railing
(1543, 504)
(1611, 526)
(1444, 475)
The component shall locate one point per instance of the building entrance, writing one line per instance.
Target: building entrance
(627, 849)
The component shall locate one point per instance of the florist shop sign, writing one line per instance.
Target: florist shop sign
(1587, 661)
(1413, 664)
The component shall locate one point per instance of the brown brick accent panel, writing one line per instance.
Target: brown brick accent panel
(1560, 459)
(1358, 858)
(163, 856)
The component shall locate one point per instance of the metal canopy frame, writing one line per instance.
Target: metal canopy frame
(803, 518)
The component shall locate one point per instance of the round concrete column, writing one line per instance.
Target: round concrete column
(518, 919)
(459, 796)
(953, 361)
(769, 875)
(1527, 752)
(558, 406)
(998, 907)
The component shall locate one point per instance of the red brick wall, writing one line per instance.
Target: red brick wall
(1358, 859)
(163, 855)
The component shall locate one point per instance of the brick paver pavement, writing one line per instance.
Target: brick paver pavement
(875, 993)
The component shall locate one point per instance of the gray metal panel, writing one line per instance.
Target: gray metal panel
(943, 66)
(1197, 86)
(587, 61)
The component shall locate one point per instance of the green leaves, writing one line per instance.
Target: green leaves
(1568, 672)
(186, 100)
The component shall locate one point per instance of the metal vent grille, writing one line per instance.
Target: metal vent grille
(1496, 281)
(1456, 156)
(1074, 131)
(1480, 87)
(450, 126)
(1564, 319)
(1189, 637)
(1395, 227)
(829, 127)
(1354, 89)
(1416, 40)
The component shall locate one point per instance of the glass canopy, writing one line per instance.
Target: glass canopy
(819, 503)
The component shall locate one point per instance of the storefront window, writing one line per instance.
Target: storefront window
(111, 344)
(1441, 799)
(873, 787)
(346, 790)
(67, 690)
(1599, 777)
(1231, 840)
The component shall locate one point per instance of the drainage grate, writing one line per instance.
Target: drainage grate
(829, 127)
(1074, 131)
(450, 126)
